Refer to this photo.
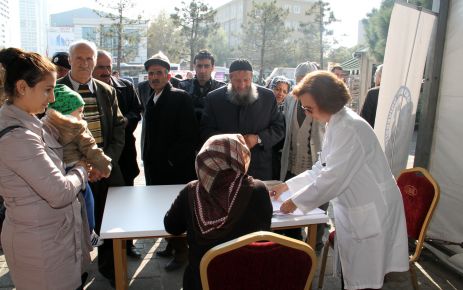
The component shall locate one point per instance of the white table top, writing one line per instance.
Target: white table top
(138, 211)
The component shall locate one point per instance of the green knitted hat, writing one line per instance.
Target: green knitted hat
(66, 100)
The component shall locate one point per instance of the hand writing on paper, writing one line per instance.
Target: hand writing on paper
(288, 206)
(277, 190)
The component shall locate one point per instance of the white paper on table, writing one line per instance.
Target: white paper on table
(276, 203)
(284, 196)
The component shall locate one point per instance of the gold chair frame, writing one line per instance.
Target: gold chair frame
(255, 237)
(420, 241)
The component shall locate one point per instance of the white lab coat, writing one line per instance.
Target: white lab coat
(371, 234)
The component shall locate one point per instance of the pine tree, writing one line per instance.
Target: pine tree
(265, 34)
(196, 22)
(127, 41)
(316, 30)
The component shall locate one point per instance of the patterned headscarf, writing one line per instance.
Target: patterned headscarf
(222, 190)
(280, 79)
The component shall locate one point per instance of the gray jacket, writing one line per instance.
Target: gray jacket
(42, 234)
(316, 138)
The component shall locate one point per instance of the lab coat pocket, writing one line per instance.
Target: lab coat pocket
(365, 221)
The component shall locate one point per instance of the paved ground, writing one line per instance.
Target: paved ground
(148, 273)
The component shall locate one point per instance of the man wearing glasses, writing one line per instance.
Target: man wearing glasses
(130, 106)
(199, 86)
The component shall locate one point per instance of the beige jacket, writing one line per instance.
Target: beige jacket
(77, 141)
(316, 137)
(42, 231)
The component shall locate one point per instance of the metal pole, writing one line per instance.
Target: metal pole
(431, 90)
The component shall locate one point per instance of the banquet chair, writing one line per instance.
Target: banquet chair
(258, 261)
(420, 194)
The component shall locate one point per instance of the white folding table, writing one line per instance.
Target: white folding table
(137, 212)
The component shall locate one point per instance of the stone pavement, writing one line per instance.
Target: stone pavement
(148, 273)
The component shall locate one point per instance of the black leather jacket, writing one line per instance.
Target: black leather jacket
(199, 93)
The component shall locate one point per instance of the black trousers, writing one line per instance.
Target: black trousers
(176, 245)
(105, 251)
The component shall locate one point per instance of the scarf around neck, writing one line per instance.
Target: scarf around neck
(223, 188)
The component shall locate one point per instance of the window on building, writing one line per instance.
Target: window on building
(89, 33)
(296, 9)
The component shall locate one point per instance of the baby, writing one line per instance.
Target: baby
(66, 116)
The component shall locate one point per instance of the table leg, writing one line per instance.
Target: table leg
(312, 236)
(120, 264)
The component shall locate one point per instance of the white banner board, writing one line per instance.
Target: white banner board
(404, 60)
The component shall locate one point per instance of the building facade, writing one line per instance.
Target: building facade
(232, 15)
(13, 24)
(33, 23)
(5, 18)
(85, 23)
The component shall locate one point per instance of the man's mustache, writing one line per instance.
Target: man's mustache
(155, 81)
(105, 75)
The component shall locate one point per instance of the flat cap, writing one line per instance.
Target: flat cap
(159, 59)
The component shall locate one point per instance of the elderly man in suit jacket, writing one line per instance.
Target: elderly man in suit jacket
(107, 126)
(130, 106)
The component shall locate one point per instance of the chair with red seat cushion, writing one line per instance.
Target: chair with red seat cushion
(420, 194)
(260, 260)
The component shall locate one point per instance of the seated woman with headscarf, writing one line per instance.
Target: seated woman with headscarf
(223, 204)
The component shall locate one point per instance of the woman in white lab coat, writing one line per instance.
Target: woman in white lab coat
(352, 173)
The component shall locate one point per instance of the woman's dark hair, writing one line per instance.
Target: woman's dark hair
(328, 91)
(22, 65)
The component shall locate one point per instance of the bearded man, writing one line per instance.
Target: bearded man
(248, 109)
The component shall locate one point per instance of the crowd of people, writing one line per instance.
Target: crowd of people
(67, 135)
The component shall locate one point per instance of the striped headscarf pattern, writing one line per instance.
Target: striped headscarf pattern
(219, 153)
(221, 166)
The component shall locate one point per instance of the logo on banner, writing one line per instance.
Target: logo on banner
(398, 124)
